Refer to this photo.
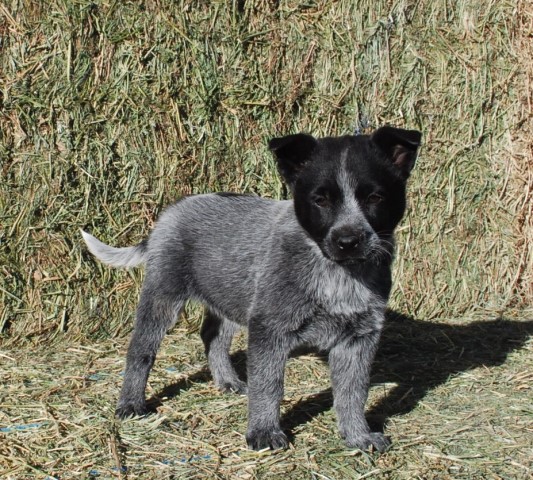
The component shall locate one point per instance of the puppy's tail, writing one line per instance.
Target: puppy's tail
(116, 257)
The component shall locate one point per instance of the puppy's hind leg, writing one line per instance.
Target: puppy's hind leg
(155, 316)
(217, 334)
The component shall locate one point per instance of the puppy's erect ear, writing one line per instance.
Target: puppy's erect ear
(399, 145)
(292, 152)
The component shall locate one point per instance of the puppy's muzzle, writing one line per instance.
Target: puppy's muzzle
(347, 244)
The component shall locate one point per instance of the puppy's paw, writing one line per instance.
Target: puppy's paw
(375, 440)
(128, 410)
(236, 386)
(260, 439)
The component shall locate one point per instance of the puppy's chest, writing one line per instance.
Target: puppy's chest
(323, 329)
(338, 306)
(336, 293)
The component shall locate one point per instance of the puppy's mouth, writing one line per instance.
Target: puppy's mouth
(351, 261)
(374, 253)
(345, 260)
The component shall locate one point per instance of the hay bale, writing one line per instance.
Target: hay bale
(110, 111)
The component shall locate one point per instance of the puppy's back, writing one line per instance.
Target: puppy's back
(215, 245)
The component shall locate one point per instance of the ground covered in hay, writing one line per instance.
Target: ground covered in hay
(456, 401)
(110, 110)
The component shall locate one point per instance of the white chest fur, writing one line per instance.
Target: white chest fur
(336, 290)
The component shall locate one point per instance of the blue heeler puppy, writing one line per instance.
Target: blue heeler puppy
(312, 271)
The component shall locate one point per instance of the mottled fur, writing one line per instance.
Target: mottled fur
(310, 271)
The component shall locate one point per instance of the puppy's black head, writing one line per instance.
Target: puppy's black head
(349, 192)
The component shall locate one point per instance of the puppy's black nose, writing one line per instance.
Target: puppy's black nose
(349, 242)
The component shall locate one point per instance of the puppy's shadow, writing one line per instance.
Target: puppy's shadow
(174, 389)
(418, 356)
(238, 359)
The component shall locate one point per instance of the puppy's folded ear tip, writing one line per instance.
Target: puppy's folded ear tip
(414, 137)
(399, 145)
(292, 152)
(275, 143)
(297, 140)
(390, 134)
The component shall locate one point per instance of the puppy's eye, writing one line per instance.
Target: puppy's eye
(374, 199)
(321, 199)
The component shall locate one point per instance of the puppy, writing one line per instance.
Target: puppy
(312, 271)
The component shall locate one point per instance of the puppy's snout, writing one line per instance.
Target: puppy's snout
(349, 242)
(346, 244)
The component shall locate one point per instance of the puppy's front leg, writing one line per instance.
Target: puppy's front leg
(267, 356)
(350, 363)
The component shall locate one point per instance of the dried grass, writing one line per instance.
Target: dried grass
(108, 111)
(455, 399)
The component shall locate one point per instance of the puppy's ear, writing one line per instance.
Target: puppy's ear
(399, 145)
(292, 152)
